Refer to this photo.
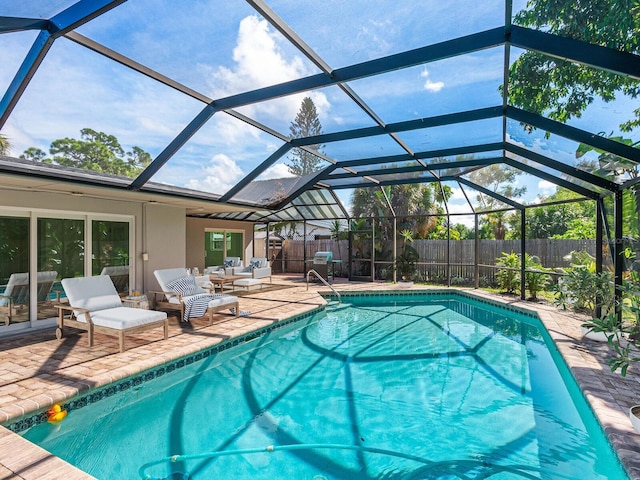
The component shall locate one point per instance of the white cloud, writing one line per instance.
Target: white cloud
(429, 85)
(259, 61)
(276, 171)
(546, 187)
(456, 194)
(221, 174)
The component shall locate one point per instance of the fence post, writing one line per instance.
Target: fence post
(523, 262)
(476, 250)
(619, 254)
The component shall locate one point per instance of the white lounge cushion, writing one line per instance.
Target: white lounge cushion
(247, 282)
(167, 275)
(122, 318)
(92, 293)
(223, 300)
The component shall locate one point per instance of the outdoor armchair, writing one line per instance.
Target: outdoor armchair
(258, 267)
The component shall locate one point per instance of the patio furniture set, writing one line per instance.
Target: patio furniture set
(96, 305)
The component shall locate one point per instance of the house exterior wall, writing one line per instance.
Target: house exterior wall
(164, 241)
(158, 230)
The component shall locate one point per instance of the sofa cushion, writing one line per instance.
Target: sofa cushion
(254, 264)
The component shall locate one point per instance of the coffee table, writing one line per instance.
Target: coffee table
(222, 281)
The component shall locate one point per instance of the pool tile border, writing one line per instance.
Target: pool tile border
(432, 292)
(21, 424)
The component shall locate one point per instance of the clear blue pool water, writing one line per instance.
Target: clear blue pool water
(434, 387)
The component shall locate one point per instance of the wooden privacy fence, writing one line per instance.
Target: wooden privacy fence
(434, 258)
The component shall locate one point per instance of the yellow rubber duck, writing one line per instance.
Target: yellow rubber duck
(56, 414)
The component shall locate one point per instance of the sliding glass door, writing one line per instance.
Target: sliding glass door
(14, 270)
(61, 251)
(110, 252)
(38, 250)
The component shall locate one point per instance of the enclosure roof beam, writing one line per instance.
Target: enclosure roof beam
(562, 167)
(420, 123)
(80, 13)
(445, 152)
(574, 134)
(420, 168)
(552, 178)
(390, 63)
(488, 192)
(571, 50)
(18, 24)
(304, 187)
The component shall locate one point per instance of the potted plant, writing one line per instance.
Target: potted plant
(407, 259)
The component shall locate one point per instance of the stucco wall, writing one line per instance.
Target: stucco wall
(159, 230)
(164, 242)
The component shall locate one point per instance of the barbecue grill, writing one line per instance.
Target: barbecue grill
(323, 264)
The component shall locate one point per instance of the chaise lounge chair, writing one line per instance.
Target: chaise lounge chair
(180, 292)
(15, 298)
(95, 306)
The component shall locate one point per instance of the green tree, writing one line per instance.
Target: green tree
(5, 145)
(35, 154)
(561, 89)
(306, 124)
(574, 220)
(500, 179)
(95, 151)
(415, 206)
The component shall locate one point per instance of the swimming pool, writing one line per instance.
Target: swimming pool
(394, 387)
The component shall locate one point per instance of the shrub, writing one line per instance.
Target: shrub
(536, 277)
(509, 276)
(581, 289)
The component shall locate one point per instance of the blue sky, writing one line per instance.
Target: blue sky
(222, 48)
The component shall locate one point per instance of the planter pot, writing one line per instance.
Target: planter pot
(597, 336)
(404, 284)
(634, 415)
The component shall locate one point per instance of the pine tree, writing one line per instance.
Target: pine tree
(305, 124)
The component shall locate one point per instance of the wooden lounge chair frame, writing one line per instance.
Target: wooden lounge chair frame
(67, 316)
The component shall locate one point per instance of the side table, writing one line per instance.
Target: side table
(139, 301)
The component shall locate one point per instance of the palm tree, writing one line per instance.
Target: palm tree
(5, 146)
